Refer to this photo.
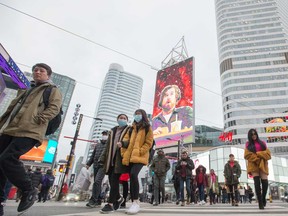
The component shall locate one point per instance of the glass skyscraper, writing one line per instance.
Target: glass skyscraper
(253, 57)
(120, 93)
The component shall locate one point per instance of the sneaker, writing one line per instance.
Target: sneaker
(118, 203)
(182, 203)
(134, 208)
(107, 209)
(27, 200)
(203, 202)
(92, 204)
(123, 206)
(1, 209)
(155, 204)
(177, 202)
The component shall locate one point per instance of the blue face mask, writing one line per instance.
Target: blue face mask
(122, 122)
(137, 118)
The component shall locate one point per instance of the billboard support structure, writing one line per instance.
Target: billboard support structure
(178, 53)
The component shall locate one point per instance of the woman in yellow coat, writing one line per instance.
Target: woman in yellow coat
(257, 155)
(135, 153)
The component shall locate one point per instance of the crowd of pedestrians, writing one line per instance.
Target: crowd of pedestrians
(121, 154)
(127, 151)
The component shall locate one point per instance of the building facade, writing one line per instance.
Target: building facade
(120, 93)
(253, 57)
(207, 136)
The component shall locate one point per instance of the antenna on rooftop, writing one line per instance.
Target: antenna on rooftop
(179, 53)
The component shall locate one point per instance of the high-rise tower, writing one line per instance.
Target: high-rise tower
(120, 93)
(253, 56)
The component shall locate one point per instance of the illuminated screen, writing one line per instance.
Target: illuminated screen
(45, 152)
(50, 151)
(13, 75)
(276, 125)
(173, 116)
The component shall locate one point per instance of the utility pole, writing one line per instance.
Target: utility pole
(72, 150)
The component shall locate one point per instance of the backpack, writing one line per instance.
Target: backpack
(48, 181)
(152, 149)
(54, 123)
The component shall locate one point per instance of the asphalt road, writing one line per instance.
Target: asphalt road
(52, 208)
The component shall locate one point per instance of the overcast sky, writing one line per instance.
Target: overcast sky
(146, 30)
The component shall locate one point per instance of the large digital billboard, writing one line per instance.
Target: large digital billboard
(277, 125)
(44, 153)
(173, 110)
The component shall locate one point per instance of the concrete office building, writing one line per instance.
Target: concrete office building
(253, 57)
(120, 93)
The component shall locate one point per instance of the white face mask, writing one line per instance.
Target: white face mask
(104, 137)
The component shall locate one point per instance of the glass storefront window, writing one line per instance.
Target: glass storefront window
(213, 155)
(220, 153)
(221, 164)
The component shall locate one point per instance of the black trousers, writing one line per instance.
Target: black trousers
(233, 192)
(134, 183)
(114, 185)
(11, 148)
(43, 195)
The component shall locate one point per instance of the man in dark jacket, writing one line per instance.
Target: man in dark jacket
(185, 166)
(232, 173)
(160, 166)
(22, 127)
(99, 173)
(36, 177)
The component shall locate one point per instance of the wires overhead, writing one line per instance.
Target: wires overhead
(112, 50)
(80, 36)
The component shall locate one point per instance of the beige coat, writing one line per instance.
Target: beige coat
(138, 148)
(32, 120)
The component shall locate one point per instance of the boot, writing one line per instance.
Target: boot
(264, 190)
(258, 191)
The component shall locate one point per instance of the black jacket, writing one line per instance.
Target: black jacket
(96, 154)
(189, 167)
(36, 178)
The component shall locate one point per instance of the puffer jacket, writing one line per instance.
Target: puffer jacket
(36, 178)
(135, 149)
(232, 174)
(257, 161)
(99, 148)
(32, 118)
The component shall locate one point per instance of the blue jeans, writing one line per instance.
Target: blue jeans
(188, 189)
(201, 192)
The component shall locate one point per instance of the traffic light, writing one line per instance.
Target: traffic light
(61, 168)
